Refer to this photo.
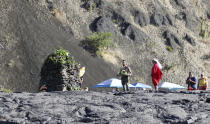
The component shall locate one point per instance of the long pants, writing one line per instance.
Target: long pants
(125, 86)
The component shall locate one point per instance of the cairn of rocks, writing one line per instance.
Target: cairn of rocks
(60, 72)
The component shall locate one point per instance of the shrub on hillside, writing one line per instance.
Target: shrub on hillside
(62, 56)
(205, 29)
(100, 41)
(6, 90)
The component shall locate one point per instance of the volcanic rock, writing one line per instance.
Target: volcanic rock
(103, 107)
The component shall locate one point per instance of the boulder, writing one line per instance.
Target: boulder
(59, 72)
(161, 16)
(103, 24)
(135, 34)
(171, 39)
(208, 99)
(190, 40)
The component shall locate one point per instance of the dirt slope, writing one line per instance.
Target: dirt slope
(33, 34)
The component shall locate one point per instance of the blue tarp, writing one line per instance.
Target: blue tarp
(113, 82)
(170, 86)
(141, 85)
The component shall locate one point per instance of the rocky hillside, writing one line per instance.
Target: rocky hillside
(94, 107)
(174, 31)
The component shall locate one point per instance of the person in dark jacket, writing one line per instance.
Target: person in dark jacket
(191, 82)
(125, 73)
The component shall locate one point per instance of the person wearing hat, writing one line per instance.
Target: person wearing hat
(156, 73)
(202, 83)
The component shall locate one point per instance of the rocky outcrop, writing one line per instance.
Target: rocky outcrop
(94, 107)
(135, 34)
(140, 18)
(190, 40)
(60, 72)
(103, 24)
(171, 40)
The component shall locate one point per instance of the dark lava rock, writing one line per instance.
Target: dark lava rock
(103, 24)
(179, 3)
(135, 34)
(206, 57)
(208, 99)
(91, 4)
(96, 107)
(208, 14)
(159, 19)
(190, 40)
(140, 18)
(171, 39)
(57, 75)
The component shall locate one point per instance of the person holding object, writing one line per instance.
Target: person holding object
(192, 82)
(202, 83)
(125, 73)
(156, 73)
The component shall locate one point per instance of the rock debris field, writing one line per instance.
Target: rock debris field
(105, 107)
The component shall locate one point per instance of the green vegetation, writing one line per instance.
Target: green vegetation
(62, 56)
(114, 21)
(100, 41)
(196, 2)
(6, 90)
(92, 7)
(11, 63)
(169, 48)
(71, 88)
(205, 29)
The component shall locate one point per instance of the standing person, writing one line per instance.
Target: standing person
(202, 83)
(192, 82)
(81, 72)
(125, 73)
(156, 73)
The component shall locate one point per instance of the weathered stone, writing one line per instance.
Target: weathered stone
(57, 76)
(190, 40)
(140, 18)
(98, 107)
(103, 24)
(181, 16)
(171, 39)
(208, 99)
(180, 3)
(135, 34)
(159, 19)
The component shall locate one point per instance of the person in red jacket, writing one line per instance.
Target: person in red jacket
(156, 73)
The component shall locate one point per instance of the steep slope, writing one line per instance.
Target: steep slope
(29, 33)
(165, 29)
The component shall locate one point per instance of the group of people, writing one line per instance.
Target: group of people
(193, 84)
(156, 75)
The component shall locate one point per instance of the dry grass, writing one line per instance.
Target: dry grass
(113, 56)
(59, 15)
